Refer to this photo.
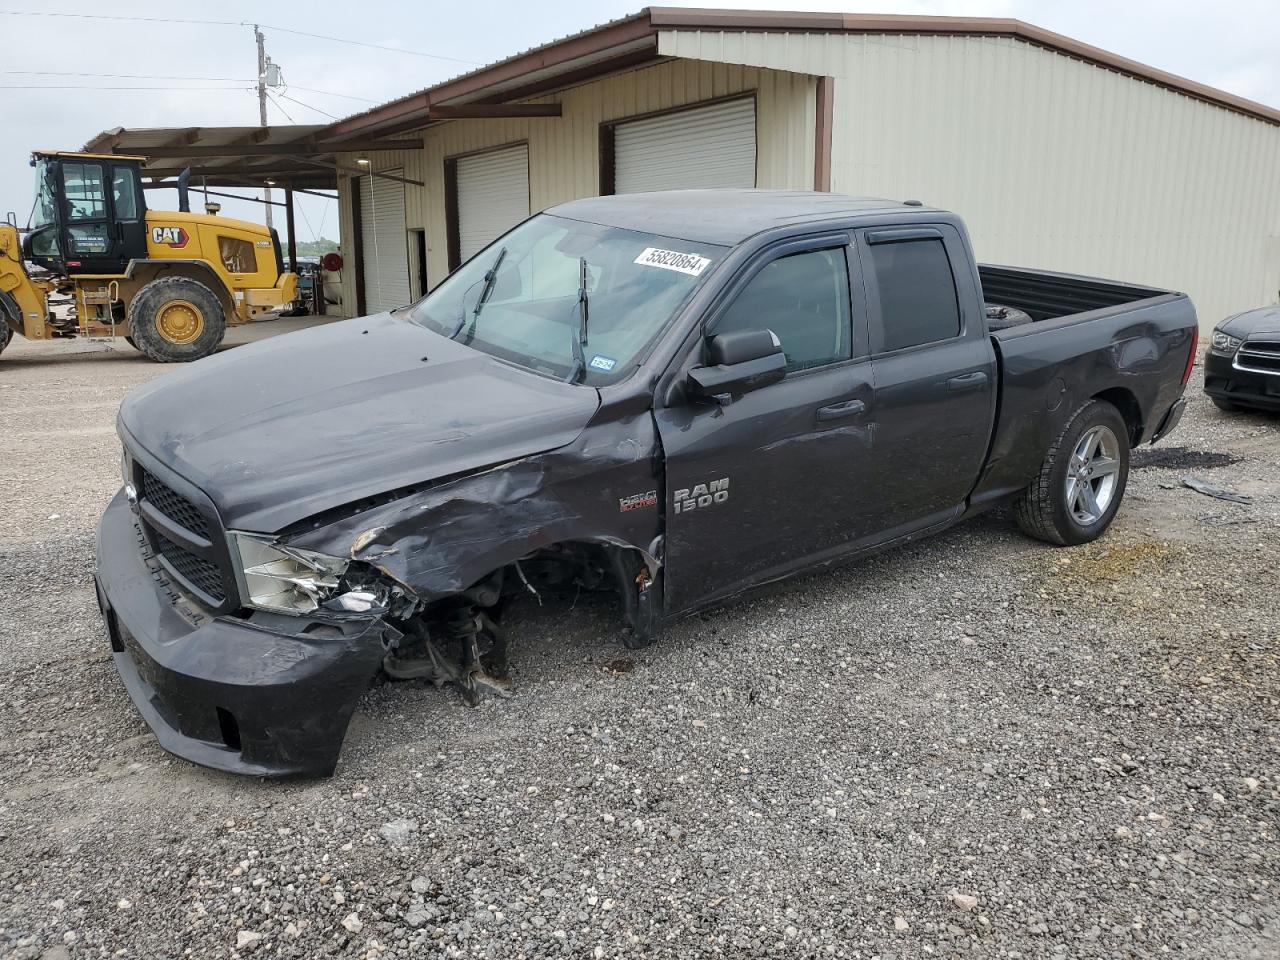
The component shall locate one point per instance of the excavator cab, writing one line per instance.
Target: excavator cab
(90, 213)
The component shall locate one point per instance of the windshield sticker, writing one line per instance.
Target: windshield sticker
(689, 263)
(602, 363)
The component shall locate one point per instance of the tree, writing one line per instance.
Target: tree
(317, 248)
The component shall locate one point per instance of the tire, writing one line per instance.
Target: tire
(131, 342)
(176, 320)
(5, 333)
(1225, 405)
(1000, 317)
(1100, 434)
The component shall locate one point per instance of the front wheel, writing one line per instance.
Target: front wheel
(1081, 482)
(176, 320)
(5, 334)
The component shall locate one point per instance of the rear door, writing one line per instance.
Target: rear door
(935, 373)
(762, 484)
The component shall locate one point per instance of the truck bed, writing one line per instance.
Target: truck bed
(1055, 296)
(1125, 343)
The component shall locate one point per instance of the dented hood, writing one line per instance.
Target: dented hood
(277, 431)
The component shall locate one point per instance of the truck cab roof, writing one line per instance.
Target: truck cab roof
(724, 217)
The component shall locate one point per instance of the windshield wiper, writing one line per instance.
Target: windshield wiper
(490, 279)
(579, 340)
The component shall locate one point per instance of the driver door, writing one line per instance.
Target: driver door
(777, 478)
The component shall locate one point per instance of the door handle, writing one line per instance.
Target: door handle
(838, 411)
(966, 382)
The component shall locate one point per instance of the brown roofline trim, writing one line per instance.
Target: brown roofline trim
(562, 51)
(673, 18)
(649, 21)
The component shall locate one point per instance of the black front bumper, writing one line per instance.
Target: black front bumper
(1223, 381)
(266, 698)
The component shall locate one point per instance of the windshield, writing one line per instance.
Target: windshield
(44, 212)
(519, 298)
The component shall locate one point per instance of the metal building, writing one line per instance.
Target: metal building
(1059, 155)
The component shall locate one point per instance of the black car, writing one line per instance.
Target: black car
(1242, 366)
(671, 397)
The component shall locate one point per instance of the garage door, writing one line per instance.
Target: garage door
(385, 244)
(493, 196)
(711, 146)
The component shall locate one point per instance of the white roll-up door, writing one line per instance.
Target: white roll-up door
(712, 146)
(493, 196)
(385, 243)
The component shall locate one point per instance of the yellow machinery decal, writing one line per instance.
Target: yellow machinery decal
(175, 237)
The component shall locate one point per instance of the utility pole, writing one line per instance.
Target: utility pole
(262, 104)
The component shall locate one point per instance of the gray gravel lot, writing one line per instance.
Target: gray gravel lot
(975, 745)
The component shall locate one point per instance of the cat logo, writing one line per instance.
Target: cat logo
(175, 237)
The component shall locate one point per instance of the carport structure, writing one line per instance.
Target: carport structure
(294, 158)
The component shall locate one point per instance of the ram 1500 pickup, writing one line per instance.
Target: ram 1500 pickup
(675, 397)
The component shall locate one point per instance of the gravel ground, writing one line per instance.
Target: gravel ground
(975, 745)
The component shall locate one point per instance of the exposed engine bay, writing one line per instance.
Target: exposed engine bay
(461, 641)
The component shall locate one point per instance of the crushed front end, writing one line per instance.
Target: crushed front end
(249, 690)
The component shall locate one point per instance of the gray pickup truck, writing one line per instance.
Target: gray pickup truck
(674, 397)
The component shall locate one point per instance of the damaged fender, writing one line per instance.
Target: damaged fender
(440, 541)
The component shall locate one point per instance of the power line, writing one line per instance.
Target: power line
(94, 86)
(280, 107)
(308, 106)
(105, 16)
(330, 93)
(374, 46)
(230, 23)
(125, 76)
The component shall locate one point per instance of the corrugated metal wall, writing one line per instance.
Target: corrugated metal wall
(1053, 162)
(564, 152)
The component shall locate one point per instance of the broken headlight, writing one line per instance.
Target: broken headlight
(1225, 343)
(285, 579)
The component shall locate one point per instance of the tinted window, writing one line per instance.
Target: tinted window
(917, 293)
(804, 300)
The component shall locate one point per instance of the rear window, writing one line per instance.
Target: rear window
(917, 293)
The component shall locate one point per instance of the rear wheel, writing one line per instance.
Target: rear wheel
(1081, 482)
(176, 320)
(5, 334)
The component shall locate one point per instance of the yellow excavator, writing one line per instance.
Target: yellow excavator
(170, 283)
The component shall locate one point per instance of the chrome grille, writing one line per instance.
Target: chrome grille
(1259, 356)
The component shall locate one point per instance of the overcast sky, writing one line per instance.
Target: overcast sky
(1231, 44)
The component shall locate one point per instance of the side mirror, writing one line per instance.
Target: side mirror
(739, 362)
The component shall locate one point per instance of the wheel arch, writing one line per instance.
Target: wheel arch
(636, 575)
(1130, 409)
(142, 272)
